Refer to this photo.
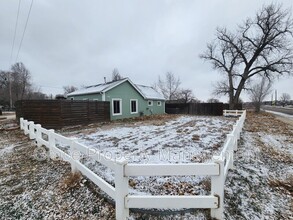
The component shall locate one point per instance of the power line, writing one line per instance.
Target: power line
(15, 28)
(24, 29)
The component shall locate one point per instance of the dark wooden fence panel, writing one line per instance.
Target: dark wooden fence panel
(59, 113)
(195, 108)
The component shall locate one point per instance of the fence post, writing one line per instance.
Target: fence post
(21, 123)
(121, 188)
(38, 135)
(231, 150)
(225, 112)
(32, 130)
(25, 124)
(217, 189)
(52, 143)
(75, 155)
(238, 126)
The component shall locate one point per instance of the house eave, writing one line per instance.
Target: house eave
(87, 93)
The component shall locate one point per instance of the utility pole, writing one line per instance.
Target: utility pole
(10, 93)
(276, 97)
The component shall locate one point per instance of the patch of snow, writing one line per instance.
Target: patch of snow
(248, 194)
(7, 149)
(150, 92)
(94, 89)
(182, 140)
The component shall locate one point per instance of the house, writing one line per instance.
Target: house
(126, 98)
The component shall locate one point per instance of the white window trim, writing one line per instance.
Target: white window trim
(120, 101)
(136, 106)
(159, 103)
(151, 102)
(71, 98)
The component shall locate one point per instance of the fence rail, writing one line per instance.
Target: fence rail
(218, 170)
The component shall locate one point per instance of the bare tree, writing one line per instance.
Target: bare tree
(19, 78)
(213, 100)
(285, 98)
(260, 46)
(169, 86)
(69, 89)
(116, 75)
(186, 95)
(4, 88)
(259, 91)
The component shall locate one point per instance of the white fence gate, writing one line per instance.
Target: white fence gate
(218, 170)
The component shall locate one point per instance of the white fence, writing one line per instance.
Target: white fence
(218, 170)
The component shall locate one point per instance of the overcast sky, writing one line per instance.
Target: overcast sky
(78, 43)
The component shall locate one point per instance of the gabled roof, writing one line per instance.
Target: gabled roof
(146, 92)
(150, 92)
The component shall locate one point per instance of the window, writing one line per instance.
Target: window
(133, 106)
(159, 103)
(85, 99)
(95, 99)
(117, 106)
(71, 98)
(150, 103)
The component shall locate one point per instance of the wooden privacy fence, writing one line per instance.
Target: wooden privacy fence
(59, 113)
(195, 108)
(217, 169)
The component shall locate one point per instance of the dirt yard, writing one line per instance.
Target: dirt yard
(260, 186)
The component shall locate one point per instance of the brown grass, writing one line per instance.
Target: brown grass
(274, 153)
(206, 184)
(286, 184)
(71, 181)
(266, 122)
(195, 137)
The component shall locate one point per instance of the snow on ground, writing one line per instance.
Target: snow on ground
(43, 189)
(177, 141)
(185, 139)
(260, 186)
(6, 149)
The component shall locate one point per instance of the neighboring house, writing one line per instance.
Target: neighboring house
(126, 98)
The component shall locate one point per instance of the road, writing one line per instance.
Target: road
(280, 109)
(283, 114)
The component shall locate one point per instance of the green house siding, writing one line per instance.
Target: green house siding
(125, 92)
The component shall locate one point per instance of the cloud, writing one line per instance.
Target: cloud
(79, 42)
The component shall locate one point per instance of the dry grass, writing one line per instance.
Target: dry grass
(182, 188)
(195, 137)
(200, 158)
(206, 184)
(274, 153)
(286, 184)
(154, 118)
(71, 181)
(266, 122)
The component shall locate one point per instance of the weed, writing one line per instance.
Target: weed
(71, 181)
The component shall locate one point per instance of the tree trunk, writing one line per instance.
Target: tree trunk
(257, 107)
